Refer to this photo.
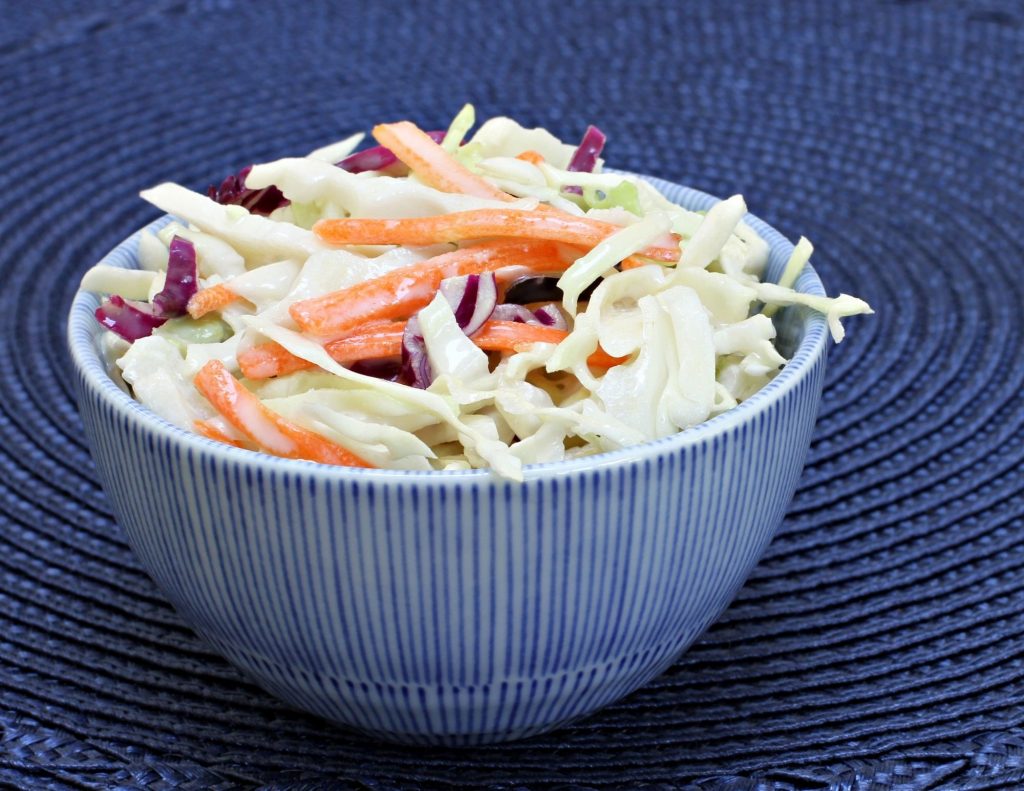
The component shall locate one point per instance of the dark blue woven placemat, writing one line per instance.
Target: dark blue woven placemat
(881, 642)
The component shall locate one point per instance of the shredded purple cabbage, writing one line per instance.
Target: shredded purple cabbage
(233, 191)
(473, 299)
(584, 158)
(545, 316)
(551, 316)
(182, 280)
(516, 313)
(134, 320)
(130, 320)
(415, 362)
(377, 157)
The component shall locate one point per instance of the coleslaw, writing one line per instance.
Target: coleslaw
(442, 301)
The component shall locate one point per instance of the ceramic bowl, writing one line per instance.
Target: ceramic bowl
(456, 608)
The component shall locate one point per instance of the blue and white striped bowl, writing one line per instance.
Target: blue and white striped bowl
(456, 608)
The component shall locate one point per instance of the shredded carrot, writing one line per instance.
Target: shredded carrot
(372, 343)
(211, 431)
(533, 157)
(481, 224)
(210, 299)
(268, 430)
(401, 292)
(269, 359)
(384, 339)
(431, 163)
(513, 336)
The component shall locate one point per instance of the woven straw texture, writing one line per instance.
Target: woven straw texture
(880, 643)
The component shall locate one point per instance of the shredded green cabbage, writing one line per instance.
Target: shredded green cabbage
(185, 331)
(624, 195)
(607, 254)
(798, 259)
(460, 126)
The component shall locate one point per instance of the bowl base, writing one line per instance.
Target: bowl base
(514, 709)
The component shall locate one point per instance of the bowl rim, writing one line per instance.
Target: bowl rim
(82, 331)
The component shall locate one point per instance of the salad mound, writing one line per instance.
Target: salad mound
(445, 302)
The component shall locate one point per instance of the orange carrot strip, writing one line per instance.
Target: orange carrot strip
(210, 299)
(434, 166)
(269, 359)
(372, 342)
(480, 224)
(271, 432)
(402, 292)
(384, 340)
(209, 430)
(513, 336)
(533, 157)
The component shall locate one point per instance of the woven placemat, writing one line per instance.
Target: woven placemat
(880, 644)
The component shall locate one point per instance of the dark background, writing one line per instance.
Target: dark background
(880, 641)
